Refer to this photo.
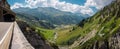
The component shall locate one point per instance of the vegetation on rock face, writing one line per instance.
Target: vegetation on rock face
(106, 23)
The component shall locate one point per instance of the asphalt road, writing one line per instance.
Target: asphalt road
(6, 29)
(4, 26)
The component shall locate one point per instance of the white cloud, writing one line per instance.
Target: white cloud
(16, 5)
(64, 6)
(98, 4)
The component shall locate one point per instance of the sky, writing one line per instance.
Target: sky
(88, 7)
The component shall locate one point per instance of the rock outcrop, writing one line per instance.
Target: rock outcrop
(111, 43)
(33, 38)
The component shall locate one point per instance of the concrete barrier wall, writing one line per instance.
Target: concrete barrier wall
(19, 41)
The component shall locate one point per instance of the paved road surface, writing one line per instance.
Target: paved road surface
(4, 26)
(6, 29)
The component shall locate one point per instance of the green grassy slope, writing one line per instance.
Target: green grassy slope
(105, 23)
(46, 33)
(99, 27)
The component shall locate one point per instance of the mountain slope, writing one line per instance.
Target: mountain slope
(102, 31)
(48, 17)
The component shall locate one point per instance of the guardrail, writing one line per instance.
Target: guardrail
(19, 41)
(5, 41)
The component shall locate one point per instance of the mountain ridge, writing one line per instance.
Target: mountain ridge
(48, 15)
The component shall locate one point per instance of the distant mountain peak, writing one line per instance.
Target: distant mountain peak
(50, 15)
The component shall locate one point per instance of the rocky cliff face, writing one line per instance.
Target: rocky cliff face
(114, 41)
(111, 43)
(4, 4)
(33, 38)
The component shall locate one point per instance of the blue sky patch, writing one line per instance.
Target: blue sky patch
(12, 2)
(79, 2)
